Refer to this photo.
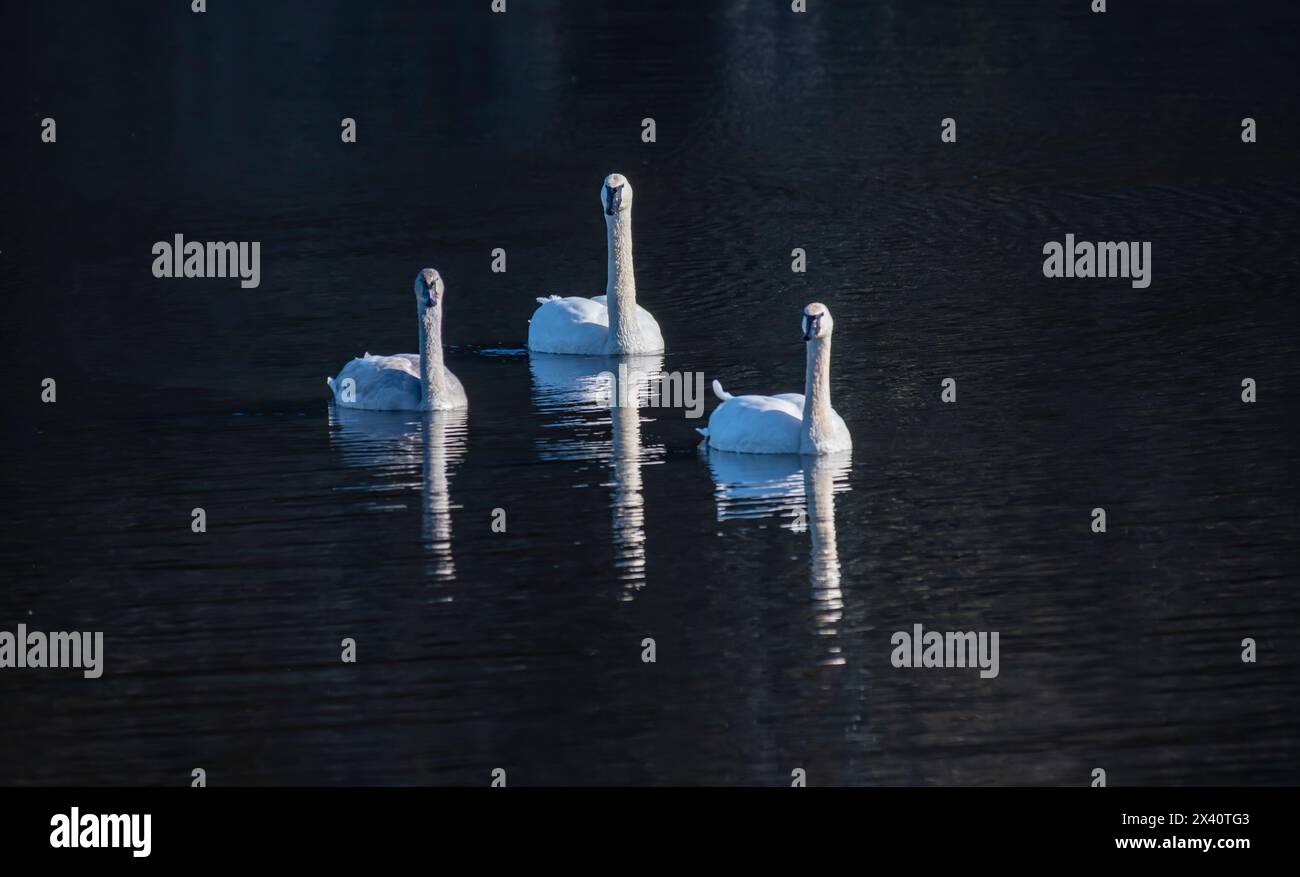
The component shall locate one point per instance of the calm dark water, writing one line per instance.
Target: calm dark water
(771, 588)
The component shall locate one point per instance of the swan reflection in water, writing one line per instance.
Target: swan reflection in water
(408, 450)
(597, 401)
(801, 489)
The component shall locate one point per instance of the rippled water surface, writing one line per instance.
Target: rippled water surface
(771, 586)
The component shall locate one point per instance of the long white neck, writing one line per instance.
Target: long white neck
(817, 396)
(620, 284)
(433, 377)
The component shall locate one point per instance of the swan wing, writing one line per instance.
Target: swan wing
(569, 325)
(756, 425)
(652, 340)
(379, 383)
(841, 440)
(455, 397)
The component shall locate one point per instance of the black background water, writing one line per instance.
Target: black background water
(522, 650)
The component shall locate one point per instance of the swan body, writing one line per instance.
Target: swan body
(405, 381)
(787, 423)
(390, 383)
(580, 327)
(604, 325)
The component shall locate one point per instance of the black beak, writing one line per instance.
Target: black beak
(430, 296)
(614, 198)
(810, 327)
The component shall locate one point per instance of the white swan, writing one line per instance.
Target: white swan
(606, 325)
(405, 381)
(789, 423)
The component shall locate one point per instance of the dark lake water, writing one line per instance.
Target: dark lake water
(770, 586)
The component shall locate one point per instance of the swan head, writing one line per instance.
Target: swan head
(817, 322)
(616, 195)
(428, 288)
